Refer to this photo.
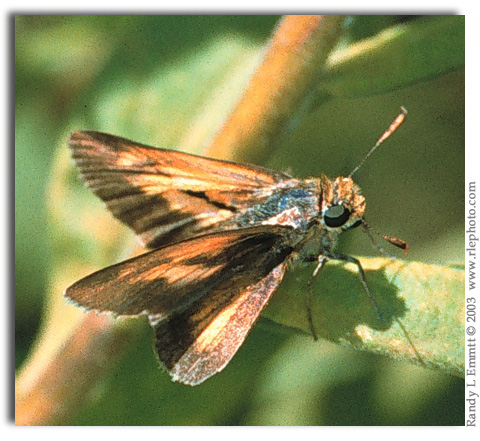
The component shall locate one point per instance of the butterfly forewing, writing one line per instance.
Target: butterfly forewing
(167, 196)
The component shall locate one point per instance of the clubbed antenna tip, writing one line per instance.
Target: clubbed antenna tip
(393, 126)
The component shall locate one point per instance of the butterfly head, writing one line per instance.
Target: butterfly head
(342, 204)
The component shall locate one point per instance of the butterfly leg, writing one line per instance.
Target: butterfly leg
(361, 275)
(321, 259)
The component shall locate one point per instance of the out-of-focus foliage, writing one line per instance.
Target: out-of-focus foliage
(168, 81)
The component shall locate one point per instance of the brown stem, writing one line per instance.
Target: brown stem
(51, 396)
(293, 60)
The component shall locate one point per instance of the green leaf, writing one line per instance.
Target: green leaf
(397, 57)
(422, 305)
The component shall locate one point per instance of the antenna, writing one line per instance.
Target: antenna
(393, 126)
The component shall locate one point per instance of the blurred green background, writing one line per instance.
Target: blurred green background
(169, 81)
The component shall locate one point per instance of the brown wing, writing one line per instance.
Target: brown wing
(168, 280)
(200, 341)
(164, 195)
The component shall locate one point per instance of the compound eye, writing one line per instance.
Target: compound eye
(336, 216)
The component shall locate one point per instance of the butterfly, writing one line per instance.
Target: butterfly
(222, 235)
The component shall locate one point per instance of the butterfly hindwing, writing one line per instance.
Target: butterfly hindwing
(199, 342)
(169, 279)
(167, 196)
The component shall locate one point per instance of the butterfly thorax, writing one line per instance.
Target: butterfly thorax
(316, 210)
(295, 206)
